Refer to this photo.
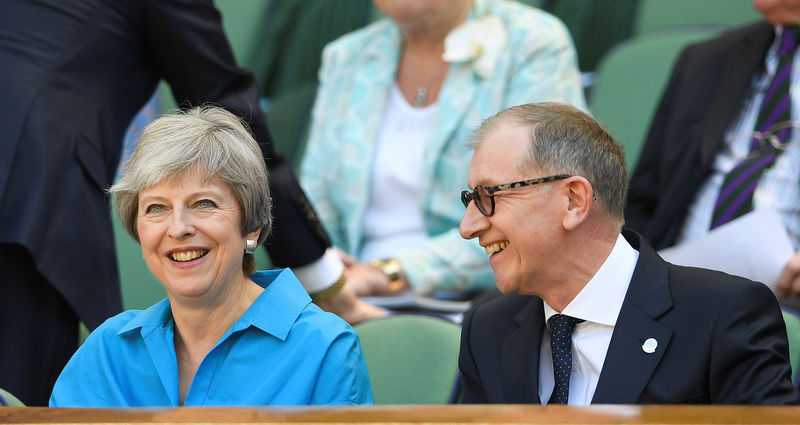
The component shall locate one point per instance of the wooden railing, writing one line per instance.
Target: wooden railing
(446, 414)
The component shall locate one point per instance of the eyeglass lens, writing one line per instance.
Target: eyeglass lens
(483, 200)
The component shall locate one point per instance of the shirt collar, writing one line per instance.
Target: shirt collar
(157, 315)
(773, 49)
(609, 284)
(282, 301)
(776, 43)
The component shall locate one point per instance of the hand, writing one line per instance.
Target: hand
(789, 279)
(347, 259)
(349, 307)
(367, 280)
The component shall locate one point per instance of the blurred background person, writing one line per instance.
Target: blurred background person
(74, 74)
(195, 195)
(396, 105)
(701, 165)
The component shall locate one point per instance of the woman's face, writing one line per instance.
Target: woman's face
(190, 232)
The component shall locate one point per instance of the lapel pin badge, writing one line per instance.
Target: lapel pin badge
(650, 345)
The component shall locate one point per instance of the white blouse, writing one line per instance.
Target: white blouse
(393, 220)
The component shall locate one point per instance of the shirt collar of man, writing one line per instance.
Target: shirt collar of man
(609, 284)
(283, 297)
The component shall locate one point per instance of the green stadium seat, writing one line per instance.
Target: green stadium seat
(8, 399)
(652, 15)
(792, 320)
(411, 359)
(629, 82)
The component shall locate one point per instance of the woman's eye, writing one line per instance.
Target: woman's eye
(206, 203)
(154, 209)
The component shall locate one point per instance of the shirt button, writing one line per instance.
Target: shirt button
(574, 367)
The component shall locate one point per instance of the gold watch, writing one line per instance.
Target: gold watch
(391, 268)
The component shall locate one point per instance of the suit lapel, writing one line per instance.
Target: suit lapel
(372, 82)
(521, 347)
(628, 365)
(736, 74)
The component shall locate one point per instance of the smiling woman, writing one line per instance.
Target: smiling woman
(195, 195)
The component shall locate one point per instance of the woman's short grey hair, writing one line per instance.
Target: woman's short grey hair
(565, 140)
(209, 139)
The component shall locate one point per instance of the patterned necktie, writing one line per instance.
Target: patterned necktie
(561, 327)
(736, 194)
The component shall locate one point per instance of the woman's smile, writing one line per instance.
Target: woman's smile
(187, 255)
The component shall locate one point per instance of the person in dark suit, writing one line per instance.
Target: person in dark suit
(704, 126)
(74, 74)
(590, 313)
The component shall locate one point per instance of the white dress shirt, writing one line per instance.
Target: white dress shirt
(591, 338)
(322, 273)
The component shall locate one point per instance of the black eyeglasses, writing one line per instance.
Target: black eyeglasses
(484, 195)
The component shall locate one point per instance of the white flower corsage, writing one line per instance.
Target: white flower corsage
(478, 41)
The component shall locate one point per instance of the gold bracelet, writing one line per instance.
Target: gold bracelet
(391, 268)
(329, 292)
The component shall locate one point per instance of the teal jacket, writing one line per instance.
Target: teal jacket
(538, 63)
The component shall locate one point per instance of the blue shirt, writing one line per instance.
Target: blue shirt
(284, 350)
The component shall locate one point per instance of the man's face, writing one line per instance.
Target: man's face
(521, 236)
(783, 12)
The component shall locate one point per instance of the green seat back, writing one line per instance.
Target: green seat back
(243, 22)
(654, 15)
(595, 26)
(792, 321)
(10, 399)
(629, 82)
(412, 359)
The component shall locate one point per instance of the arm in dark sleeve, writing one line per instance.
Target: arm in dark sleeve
(471, 389)
(750, 357)
(192, 54)
(645, 184)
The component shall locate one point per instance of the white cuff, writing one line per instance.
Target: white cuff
(322, 273)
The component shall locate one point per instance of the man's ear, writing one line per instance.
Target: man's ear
(580, 194)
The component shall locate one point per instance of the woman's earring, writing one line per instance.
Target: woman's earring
(250, 247)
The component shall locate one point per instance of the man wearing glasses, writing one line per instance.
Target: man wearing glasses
(724, 141)
(590, 313)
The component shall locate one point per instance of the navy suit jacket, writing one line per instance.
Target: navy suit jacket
(721, 340)
(706, 91)
(74, 73)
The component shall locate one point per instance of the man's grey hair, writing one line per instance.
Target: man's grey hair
(211, 140)
(565, 140)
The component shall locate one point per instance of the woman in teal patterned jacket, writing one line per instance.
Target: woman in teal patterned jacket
(387, 153)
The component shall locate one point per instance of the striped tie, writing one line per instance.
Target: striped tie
(736, 194)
